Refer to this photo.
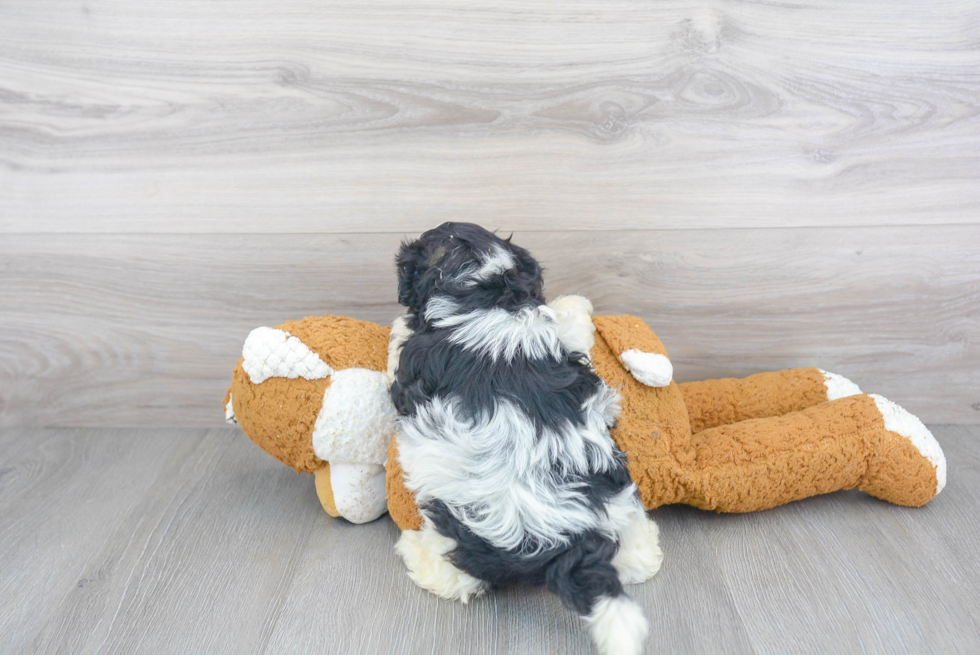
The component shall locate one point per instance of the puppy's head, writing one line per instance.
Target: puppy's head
(470, 265)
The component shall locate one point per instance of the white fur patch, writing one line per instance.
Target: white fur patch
(358, 491)
(424, 553)
(901, 421)
(838, 386)
(400, 333)
(230, 412)
(618, 626)
(499, 261)
(497, 476)
(439, 307)
(639, 556)
(357, 419)
(648, 368)
(531, 332)
(576, 331)
(271, 353)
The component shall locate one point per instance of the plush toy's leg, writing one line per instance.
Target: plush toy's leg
(424, 553)
(639, 556)
(353, 491)
(711, 403)
(324, 491)
(864, 442)
(907, 453)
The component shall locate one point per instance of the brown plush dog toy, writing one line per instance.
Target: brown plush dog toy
(312, 393)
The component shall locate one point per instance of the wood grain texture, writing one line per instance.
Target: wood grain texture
(63, 494)
(145, 330)
(194, 541)
(385, 116)
(215, 545)
(843, 552)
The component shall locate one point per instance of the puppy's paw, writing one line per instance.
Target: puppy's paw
(639, 556)
(424, 553)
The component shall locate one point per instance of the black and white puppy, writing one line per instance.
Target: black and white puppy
(503, 436)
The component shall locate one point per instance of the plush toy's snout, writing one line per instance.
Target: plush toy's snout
(313, 394)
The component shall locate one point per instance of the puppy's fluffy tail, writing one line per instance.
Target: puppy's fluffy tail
(586, 581)
(618, 626)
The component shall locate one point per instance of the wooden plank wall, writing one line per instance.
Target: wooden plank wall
(769, 185)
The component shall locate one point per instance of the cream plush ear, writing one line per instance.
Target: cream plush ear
(637, 347)
(400, 333)
(274, 353)
(575, 328)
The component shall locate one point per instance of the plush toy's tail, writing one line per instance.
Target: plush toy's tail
(586, 581)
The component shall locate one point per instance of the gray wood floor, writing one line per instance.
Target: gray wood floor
(194, 541)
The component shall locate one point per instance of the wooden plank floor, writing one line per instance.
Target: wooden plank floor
(195, 541)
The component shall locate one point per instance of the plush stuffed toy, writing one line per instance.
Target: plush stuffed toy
(313, 394)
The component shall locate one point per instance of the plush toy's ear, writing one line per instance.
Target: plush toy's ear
(637, 347)
(575, 328)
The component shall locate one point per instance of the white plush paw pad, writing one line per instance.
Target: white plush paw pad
(271, 353)
(639, 556)
(901, 421)
(618, 626)
(838, 386)
(358, 490)
(424, 553)
(357, 418)
(648, 368)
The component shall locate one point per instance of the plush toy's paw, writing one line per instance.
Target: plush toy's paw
(575, 328)
(838, 386)
(909, 467)
(639, 556)
(648, 368)
(424, 553)
(353, 491)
